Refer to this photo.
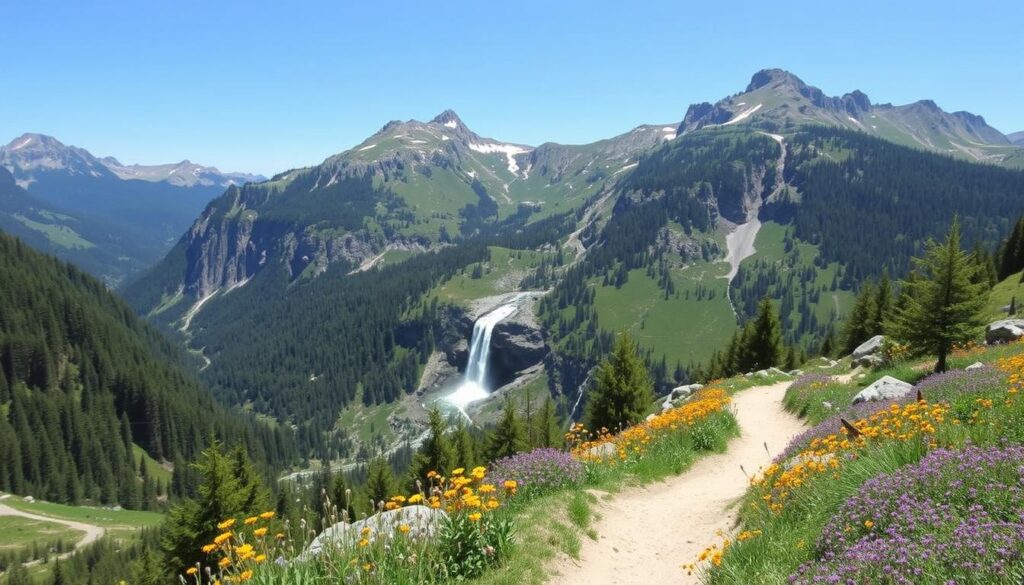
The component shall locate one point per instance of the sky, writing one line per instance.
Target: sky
(267, 86)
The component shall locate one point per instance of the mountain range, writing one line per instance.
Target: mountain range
(111, 218)
(669, 231)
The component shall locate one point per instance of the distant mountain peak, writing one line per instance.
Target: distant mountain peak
(34, 141)
(448, 118)
(767, 77)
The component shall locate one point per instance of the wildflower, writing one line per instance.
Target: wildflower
(251, 520)
(191, 571)
(403, 528)
(224, 562)
(245, 575)
(267, 515)
(209, 548)
(364, 543)
(226, 524)
(259, 532)
(222, 538)
(869, 524)
(415, 499)
(458, 472)
(475, 516)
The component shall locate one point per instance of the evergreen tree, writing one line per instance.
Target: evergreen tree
(882, 306)
(546, 432)
(464, 447)
(509, 435)
(622, 391)
(380, 482)
(436, 454)
(944, 307)
(342, 498)
(765, 342)
(859, 325)
(225, 490)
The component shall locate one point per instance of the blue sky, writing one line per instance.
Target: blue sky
(266, 86)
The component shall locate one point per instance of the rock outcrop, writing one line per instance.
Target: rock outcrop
(886, 388)
(1004, 331)
(423, 522)
(869, 353)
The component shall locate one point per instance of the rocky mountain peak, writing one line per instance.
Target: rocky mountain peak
(31, 141)
(448, 118)
(776, 77)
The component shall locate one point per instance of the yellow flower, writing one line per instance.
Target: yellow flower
(267, 515)
(474, 517)
(458, 471)
(363, 542)
(259, 532)
(403, 528)
(279, 536)
(226, 524)
(486, 488)
(222, 538)
(415, 498)
(246, 575)
(868, 524)
(511, 485)
(224, 562)
(191, 571)
(365, 531)
(251, 520)
(209, 548)
(260, 558)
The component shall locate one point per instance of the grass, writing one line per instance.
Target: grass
(154, 468)
(1003, 294)
(117, 522)
(22, 532)
(778, 541)
(502, 274)
(59, 235)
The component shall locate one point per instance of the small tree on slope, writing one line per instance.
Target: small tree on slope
(765, 343)
(942, 306)
(622, 390)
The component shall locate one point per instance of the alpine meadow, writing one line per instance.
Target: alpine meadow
(578, 333)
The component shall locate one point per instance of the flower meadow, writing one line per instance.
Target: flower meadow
(477, 529)
(910, 492)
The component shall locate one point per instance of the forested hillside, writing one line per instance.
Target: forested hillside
(83, 382)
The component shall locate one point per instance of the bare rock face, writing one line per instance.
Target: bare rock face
(516, 346)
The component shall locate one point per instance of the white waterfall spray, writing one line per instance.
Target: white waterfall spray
(474, 384)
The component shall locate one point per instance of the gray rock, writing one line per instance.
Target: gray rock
(516, 346)
(678, 395)
(650, 417)
(603, 451)
(423, 521)
(975, 366)
(794, 461)
(869, 347)
(796, 373)
(761, 373)
(868, 361)
(776, 372)
(886, 388)
(1004, 331)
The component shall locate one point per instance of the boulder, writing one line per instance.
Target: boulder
(515, 346)
(886, 388)
(603, 451)
(423, 521)
(1004, 331)
(872, 346)
(975, 366)
(776, 372)
(867, 361)
(796, 373)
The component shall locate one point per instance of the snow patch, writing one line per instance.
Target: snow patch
(743, 116)
(451, 124)
(625, 168)
(23, 143)
(443, 138)
(367, 147)
(669, 129)
(509, 150)
(855, 121)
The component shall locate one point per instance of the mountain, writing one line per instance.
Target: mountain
(412, 186)
(143, 209)
(777, 99)
(337, 296)
(1016, 138)
(87, 389)
(97, 247)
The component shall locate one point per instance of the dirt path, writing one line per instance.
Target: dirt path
(92, 533)
(648, 533)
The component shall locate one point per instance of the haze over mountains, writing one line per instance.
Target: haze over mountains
(113, 219)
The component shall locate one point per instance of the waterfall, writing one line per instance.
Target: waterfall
(474, 384)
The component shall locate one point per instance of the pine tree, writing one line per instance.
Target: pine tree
(882, 306)
(546, 432)
(380, 482)
(342, 498)
(464, 447)
(622, 391)
(859, 325)
(221, 495)
(765, 343)
(436, 454)
(509, 435)
(943, 307)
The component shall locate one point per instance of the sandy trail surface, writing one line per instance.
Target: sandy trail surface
(92, 532)
(646, 534)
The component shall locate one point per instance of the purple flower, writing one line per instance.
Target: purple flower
(539, 470)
